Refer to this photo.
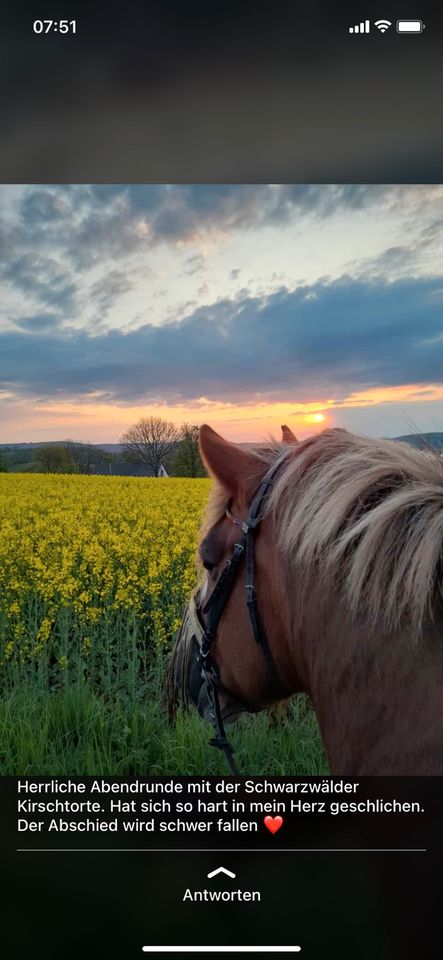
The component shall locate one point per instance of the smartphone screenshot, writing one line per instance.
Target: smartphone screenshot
(221, 481)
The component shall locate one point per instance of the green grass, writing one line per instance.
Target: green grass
(76, 728)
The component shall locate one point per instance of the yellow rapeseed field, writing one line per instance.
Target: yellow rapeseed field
(80, 554)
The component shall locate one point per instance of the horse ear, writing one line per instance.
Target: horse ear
(233, 467)
(287, 435)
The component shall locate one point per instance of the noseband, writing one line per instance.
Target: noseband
(215, 606)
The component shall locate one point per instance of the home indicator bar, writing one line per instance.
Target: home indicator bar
(225, 949)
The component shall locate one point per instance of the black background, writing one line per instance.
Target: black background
(240, 90)
(332, 903)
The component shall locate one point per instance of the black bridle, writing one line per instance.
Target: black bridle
(214, 608)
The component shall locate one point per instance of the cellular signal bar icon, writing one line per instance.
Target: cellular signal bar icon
(362, 27)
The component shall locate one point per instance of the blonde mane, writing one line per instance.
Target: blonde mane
(367, 516)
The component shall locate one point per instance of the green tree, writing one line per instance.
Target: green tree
(52, 458)
(187, 461)
(3, 465)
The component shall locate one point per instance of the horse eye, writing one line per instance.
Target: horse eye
(211, 551)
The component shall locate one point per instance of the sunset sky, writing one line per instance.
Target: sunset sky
(241, 306)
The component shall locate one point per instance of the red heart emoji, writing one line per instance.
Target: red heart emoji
(273, 823)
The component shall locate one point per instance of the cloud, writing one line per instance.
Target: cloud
(194, 264)
(106, 291)
(42, 278)
(180, 212)
(41, 205)
(327, 339)
(91, 223)
(39, 322)
(77, 250)
(405, 258)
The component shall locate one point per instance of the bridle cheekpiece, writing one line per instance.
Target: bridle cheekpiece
(214, 607)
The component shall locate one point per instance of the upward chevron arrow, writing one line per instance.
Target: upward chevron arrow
(214, 873)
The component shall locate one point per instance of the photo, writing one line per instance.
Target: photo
(221, 479)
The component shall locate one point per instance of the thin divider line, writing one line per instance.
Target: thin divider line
(221, 850)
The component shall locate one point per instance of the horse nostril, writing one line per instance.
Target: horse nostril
(207, 565)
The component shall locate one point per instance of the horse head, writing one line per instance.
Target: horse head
(251, 665)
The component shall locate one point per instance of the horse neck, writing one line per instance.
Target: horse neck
(378, 697)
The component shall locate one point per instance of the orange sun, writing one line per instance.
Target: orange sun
(318, 417)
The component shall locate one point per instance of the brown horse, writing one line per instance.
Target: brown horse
(349, 584)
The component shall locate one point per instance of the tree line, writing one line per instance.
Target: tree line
(152, 441)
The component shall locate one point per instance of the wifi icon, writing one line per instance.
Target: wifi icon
(383, 25)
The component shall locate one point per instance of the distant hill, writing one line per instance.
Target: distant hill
(24, 451)
(110, 447)
(32, 444)
(423, 440)
(21, 457)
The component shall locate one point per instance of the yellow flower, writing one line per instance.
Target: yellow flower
(81, 553)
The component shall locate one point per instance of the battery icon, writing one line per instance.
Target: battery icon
(410, 26)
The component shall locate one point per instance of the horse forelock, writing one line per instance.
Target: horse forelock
(366, 516)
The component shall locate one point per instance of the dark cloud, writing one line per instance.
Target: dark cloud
(39, 322)
(42, 206)
(41, 277)
(91, 223)
(323, 339)
(106, 291)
